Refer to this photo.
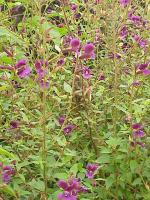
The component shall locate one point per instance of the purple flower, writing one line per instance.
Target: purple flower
(6, 178)
(141, 144)
(7, 172)
(23, 72)
(134, 143)
(22, 69)
(123, 33)
(61, 119)
(71, 189)
(136, 126)
(41, 68)
(20, 63)
(141, 68)
(136, 20)
(141, 42)
(138, 134)
(89, 48)
(143, 65)
(63, 184)
(74, 7)
(66, 196)
(124, 3)
(146, 72)
(42, 71)
(75, 44)
(14, 124)
(68, 129)
(43, 83)
(60, 62)
(101, 77)
(136, 83)
(88, 51)
(91, 168)
(86, 72)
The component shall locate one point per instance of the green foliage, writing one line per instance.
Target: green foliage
(101, 109)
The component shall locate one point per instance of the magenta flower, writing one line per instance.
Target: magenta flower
(7, 173)
(136, 20)
(142, 68)
(74, 7)
(134, 143)
(124, 3)
(142, 144)
(86, 72)
(138, 134)
(23, 72)
(14, 124)
(98, 1)
(91, 168)
(123, 33)
(101, 77)
(71, 189)
(136, 126)
(61, 119)
(20, 63)
(136, 83)
(22, 69)
(60, 62)
(41, 68)
(146, 72)
(42, 71)
(88, 52)
(66, 196)
(75, 44)
(143, 43)
(68, 129)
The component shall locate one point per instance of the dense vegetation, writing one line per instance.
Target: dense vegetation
(74, 99)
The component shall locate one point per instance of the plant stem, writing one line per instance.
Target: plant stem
(44, 147)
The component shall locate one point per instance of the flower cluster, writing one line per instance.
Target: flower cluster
(143, 68)
(71, 188)
(143, 43)
(68, 128)
(124, 3)
(22, 69)
(91, 169)
(136, 19)
(14, 124)
(86, 72)
(87, 50)
(42, 71)
(6, 173)
(138, 133)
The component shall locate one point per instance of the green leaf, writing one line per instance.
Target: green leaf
(56, 37)
(37, 184)
(8, 190)
(74, 169)
(67, 88)
(104, 159)
(11, 36)
(113, 142)
(6, 153)
(4, 88)
(61, 176)
(109, 181)
(137, 181)
(133, 165)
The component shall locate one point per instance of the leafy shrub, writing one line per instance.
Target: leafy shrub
(74, 103)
